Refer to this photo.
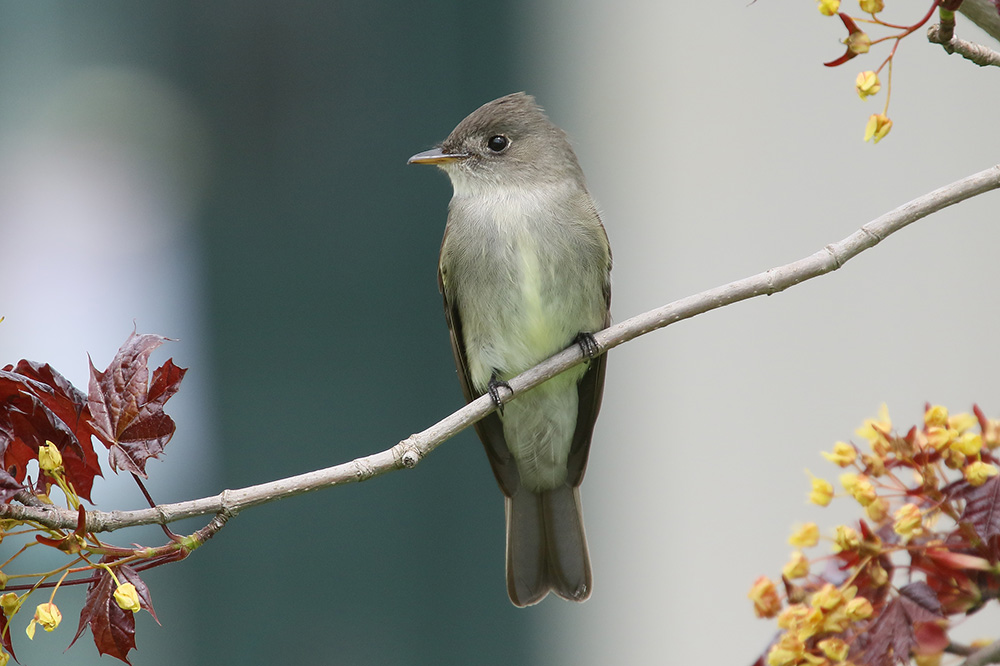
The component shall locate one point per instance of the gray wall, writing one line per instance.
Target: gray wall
(719, 146)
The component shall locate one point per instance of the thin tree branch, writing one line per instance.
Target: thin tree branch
(985, 655)
(977, 53)
(410, 451)
(984, 14)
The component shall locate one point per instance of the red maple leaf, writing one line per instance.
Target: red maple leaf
(900, 628)
(5, 642)
(127, 410)
(982, 509)
(37, 404)
(112, 626)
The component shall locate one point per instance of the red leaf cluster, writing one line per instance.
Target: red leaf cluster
(37, 404)
(122, 410)
(907, 624)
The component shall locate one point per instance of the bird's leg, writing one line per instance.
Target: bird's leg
(588, 345)
(493, 388)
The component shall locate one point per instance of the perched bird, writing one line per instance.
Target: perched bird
(525, 272)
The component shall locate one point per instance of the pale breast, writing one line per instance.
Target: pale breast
(528, 270)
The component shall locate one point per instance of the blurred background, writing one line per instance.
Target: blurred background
(232, 175)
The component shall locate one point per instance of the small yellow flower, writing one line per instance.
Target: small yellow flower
(878, 510)
(836, 621)
(953, 459)
(874, 465)
(867, 84)
(10, 603)
(49, 458)
(878, 126)
(805, 536)
(858, 42)
(812, 623)
(4, 658)
(968, 444)
(127, 597)
(978, 473)
(859, 608)
(860, 488)
(962, 422)
(764, 595)
(991, 433)
(843, 454)
(827, 597)
(797, 566)
(846, 539)
(804, 621)
(46, 615)
(878, 575)
(875, 429)
(786, 652)
(834, 648)
(871, 6)
(908, 520)
(822, 491)
(792, 616)
(939, 437)
(829, 7)
(936, 415)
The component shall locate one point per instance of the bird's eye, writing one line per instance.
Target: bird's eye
(498, 143)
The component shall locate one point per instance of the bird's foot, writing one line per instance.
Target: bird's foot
(588, 345)
(493, 388)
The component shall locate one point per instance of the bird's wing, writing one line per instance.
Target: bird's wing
(490, 428)
(589, 393)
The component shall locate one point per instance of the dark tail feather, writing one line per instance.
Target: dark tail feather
(546, 546)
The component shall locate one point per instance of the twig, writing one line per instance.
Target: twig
(410, 451)
(960, 649)
(984, 14)
(986, 655)
(977, 53)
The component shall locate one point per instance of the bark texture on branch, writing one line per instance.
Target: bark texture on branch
(984, 14)
(977, 53)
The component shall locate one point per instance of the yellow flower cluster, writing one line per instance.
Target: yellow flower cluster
(830, 610)
(901, 483)
(858, 42)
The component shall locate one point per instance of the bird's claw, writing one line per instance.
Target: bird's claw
(493, 388)
(588, 344)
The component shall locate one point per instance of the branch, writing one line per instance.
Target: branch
(410, 451)
(986, 655)
(984, 14)
(976, 53)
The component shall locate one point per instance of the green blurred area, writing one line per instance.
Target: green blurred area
(326, 339)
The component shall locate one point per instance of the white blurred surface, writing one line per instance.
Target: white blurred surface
(100, 170)
(719, 146)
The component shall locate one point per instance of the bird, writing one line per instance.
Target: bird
(525, 272)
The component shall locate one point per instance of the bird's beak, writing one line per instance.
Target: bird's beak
(435, 156)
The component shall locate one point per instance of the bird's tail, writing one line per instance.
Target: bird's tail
(546, 546)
